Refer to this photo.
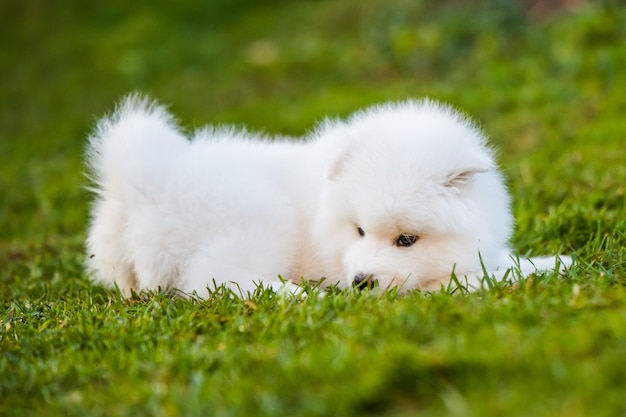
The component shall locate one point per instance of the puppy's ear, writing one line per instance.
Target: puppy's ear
(338, 164)
(346, 145)
(340, 141)
(466, 171)
(459, 179)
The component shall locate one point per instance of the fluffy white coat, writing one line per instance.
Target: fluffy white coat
(402, 193)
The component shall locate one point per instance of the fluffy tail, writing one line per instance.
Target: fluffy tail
(130, 147)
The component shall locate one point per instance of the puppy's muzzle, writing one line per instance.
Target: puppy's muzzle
(362, 281)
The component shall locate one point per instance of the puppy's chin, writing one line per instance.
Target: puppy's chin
(385, 281)
(404, 285)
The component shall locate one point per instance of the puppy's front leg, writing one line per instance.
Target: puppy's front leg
(517, 268)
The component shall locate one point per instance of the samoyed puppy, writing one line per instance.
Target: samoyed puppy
(403, 195)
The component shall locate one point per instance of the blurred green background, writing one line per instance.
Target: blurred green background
(545, 79)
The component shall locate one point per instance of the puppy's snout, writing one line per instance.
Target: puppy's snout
(362, 281)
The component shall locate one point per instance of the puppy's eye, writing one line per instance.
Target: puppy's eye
(405, 240)
(361, 231)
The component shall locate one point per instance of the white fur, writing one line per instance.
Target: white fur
(227, 207)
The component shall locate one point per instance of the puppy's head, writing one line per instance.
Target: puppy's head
(412, 195)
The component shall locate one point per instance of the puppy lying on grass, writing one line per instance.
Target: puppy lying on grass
(403, 194)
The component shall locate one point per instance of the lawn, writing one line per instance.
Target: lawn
(547, 86)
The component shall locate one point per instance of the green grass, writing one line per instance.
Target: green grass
(548, 89)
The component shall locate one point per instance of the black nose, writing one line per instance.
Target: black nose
(362, 280)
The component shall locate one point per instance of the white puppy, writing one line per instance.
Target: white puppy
(412, 194)
(403, 194)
